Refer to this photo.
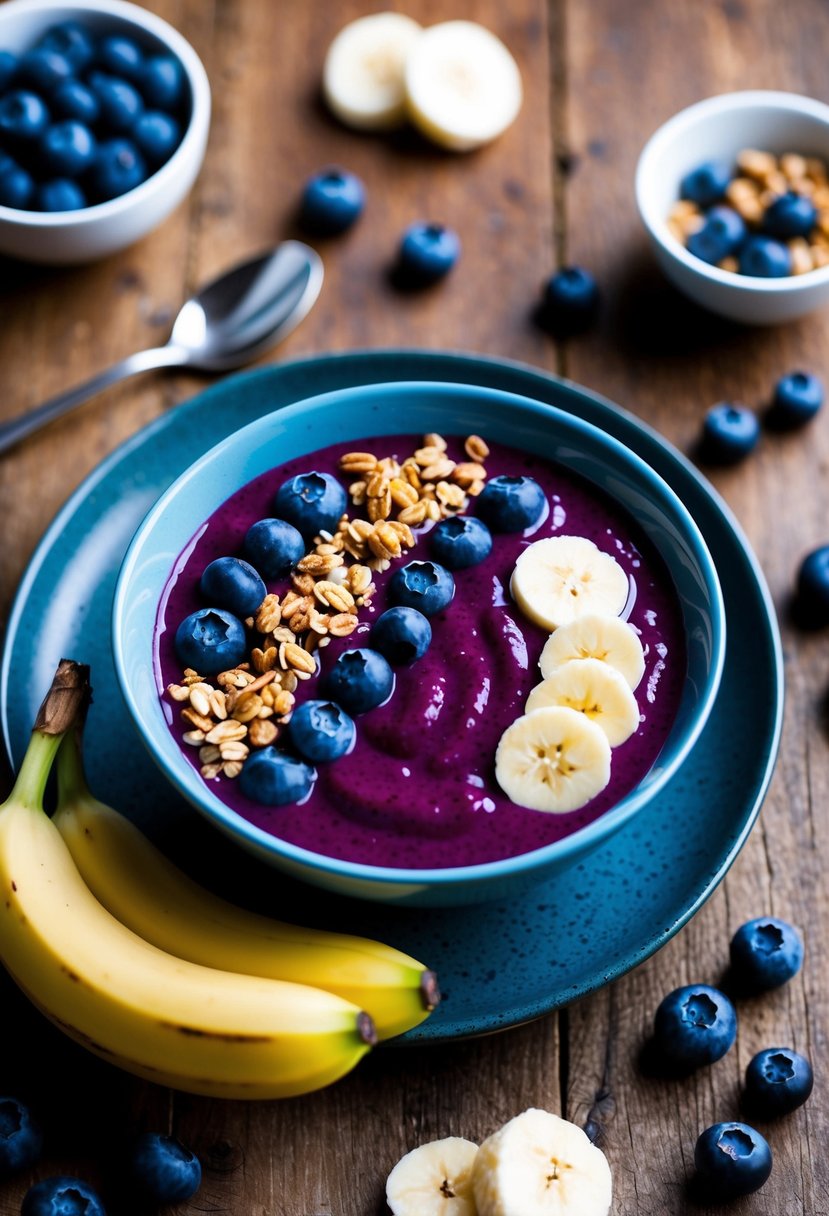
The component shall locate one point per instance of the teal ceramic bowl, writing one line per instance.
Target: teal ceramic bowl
(415, 408)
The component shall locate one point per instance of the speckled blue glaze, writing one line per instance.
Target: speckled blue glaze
(176, 521)
(500, 964)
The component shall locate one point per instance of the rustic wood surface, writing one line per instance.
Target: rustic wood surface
(599, 77)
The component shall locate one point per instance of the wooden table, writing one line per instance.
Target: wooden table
(599, 77)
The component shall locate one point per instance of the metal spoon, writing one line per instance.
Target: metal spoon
(232, 320)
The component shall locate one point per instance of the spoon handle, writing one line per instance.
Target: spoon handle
(143, 361)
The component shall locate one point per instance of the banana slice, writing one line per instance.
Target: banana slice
(596, 636)
(434, 1180)
(560, 578)
(462, 84)
(553, 759)
(594, 689)
(362, 78)
(540, 1165)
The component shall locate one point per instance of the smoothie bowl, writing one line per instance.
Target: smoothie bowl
(420, 643)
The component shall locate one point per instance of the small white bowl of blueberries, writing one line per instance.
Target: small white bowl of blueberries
(734, 194)
(104, 116)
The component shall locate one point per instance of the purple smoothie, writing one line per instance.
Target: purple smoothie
(418, 790)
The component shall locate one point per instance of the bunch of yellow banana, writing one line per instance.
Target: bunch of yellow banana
(143, 967)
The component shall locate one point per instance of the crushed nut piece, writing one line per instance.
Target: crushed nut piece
(209, 771)
(209, 753)
(247, 706)
(232, 768)
(262, 733)
(358, 462)
(234, 750)
(194, 738)
(341, 625)
(224, 732)
(291, 655)
(264, 660)
(178, 692)
(197, 721)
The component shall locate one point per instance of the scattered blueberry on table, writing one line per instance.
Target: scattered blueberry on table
(331, 202)
(797, 398)
(766, 952)
(511, 504)
(729, 433)
(427, 253)
(21, 1140)
(163, 1169)
(570, 300)
(402, 635)
(778, 1081)
(359, 680)
(321, 731)
(813, 586)
(211, 640)
(84, 118)
(732, 1159)
(694, 1025)
(62, 1196)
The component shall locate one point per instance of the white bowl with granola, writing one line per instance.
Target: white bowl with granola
(776, 143)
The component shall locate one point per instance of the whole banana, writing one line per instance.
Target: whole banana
(146, 892)
(195, 1028)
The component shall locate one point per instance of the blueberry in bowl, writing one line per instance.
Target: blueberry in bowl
(79, 105)
(402, 635)
(460, 541)
(511, 504)
(426, 586)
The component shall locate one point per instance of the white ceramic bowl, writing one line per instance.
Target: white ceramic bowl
(719, 128)
(94, 232)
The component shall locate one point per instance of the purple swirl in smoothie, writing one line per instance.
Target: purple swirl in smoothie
(418, 790)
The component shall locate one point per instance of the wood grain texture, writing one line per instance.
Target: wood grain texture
(599, 77)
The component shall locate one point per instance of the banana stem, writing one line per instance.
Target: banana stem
(72, 785)
(61, 708)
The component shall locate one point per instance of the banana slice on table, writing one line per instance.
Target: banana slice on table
(541, 1165)
(596, 636)
(553, 759)
(560, 578)
(434, 1180)
(594, 689)
(363, 74)
(463, 85)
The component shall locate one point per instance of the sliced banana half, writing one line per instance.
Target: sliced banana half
(462, 84)
(363, 74)
(561, 578)
(596, 636)
(434, 1180)
(594, 689)
(553, 759)
(541, 1165)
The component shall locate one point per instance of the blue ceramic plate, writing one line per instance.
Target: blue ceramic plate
(500, 964)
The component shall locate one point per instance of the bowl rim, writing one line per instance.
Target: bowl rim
(657, 227)
(194, 135)
(182, 775)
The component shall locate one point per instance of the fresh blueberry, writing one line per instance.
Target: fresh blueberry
(790, 215)
(120, 56)
(732, 1159)
(274, 778)
(118, 167)
(778, 1080)
(570, 300)
(76, 100)
(23, 116)
(161, 81)
(694, 1025)
(17, 187)
(312, 502)
(163, 1169)
(511, 504)
(427, 253)
(707, 183)
(321, 731)
(233, 584)
(62, 1196)
(812, 581)
(210, 641)
(157, 135)
(729, 433)
(360, 680)
(8, 69)
(67, 148)
(460, 541)
(72, 40)
(60, 194)
(402, 635)
(797, 398)
(120, 103)
(274, 546)
(20, 1138)
(722, 234)
(764, 258)
(766, 952)
(43, 70)
(331, 201)
(426, 586)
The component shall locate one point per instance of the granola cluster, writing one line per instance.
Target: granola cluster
(247, 706)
